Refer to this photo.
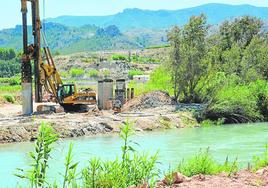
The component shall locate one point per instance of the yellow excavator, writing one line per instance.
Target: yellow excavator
(46, 75)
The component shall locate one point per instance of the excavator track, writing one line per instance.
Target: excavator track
(80, 108)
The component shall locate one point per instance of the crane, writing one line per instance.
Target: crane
(46, 75)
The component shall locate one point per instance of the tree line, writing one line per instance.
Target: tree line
(226, 69)
(9, 63)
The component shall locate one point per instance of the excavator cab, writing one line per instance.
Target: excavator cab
(65, 90)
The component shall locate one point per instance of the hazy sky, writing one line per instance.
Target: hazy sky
(10, 9)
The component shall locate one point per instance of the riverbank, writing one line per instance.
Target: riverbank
(16, 128)
(173, 145)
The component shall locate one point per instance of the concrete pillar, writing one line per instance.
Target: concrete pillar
(27, 99)
(100, 94)
(128, 94)
(107, 94)
(120, 92)
(132, 93)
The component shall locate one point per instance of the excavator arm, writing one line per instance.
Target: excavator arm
(45, 71)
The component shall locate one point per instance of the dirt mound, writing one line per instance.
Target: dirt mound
(150, 100)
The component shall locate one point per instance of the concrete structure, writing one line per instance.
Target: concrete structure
(141, 78)
(100, 94)
(120, 91)
(27, 99)
(105, 94)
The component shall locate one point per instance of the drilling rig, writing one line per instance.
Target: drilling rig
(46, 77)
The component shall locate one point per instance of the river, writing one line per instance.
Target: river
(236, 141)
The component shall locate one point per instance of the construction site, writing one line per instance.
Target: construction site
(73, 112)
(137, 99)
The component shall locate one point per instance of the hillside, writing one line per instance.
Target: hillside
(136, 18)
(130, 29)
(68, 39)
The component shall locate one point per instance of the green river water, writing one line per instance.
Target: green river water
(235, 141)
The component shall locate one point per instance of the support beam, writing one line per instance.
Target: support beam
(26, 68)
(36, 22)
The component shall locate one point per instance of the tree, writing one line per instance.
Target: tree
(7, 54)
(240, 31)
(187, 57)
(254, 63)
(174, 37)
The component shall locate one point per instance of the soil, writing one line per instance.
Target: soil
(17, 128)
(243, 179)
(150, 100)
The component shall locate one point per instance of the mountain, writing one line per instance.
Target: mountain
(136, 18)
(130, 29)
(67, 39)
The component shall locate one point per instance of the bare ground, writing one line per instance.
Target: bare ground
(242, 179)
(148, 112)
(16, 128)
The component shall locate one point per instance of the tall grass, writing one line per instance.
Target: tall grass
(37, 175)
(8, 88)
(129, 169)
(261, 161)
(203, 163)
(132, 169)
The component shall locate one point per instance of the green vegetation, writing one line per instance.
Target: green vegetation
(131, 168)
(144, 60)
(226, 70)
(239, 103)
(134, 72)
(9, 63)
(7, 54)
(10, 81)
(119, 57)
(9, 89)
(159, 46)
(203, 163)
(75, 72)
(105, 72)
(99, 173)
(9, 98)
(37, 175)
(93, 73)
(159, 80)
(261, 161)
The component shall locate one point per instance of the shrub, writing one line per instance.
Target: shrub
(77, 72)
(9, 98)
(10, 81)
(134, 72)
(64, 74)
(93, 73)
(119, 57)
(237, 103)
(105, 72)
(203, 163)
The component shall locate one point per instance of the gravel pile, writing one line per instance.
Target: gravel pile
(150, 100)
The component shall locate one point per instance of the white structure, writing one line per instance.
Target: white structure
(141, 78)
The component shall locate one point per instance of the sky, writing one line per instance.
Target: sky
(10, 9)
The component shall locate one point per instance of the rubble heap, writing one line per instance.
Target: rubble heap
(150, 100)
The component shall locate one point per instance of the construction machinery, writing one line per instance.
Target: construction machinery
(46, 76)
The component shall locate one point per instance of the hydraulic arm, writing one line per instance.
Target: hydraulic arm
(46, 75)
